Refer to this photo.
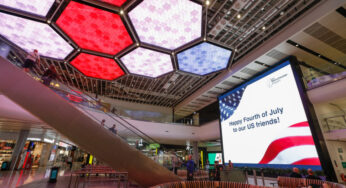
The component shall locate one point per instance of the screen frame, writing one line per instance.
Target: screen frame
(316, 132)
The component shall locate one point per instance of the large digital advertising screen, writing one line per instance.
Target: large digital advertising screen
(263, 121)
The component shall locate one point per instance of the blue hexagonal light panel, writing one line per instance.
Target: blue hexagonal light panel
(203, 59)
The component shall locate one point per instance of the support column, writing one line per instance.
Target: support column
(195, 154)
(23, 135)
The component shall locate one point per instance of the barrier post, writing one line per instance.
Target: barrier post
(262, 174)
(254, 176)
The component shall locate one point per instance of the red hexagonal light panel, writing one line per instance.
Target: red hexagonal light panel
(97, 67)
(94, 29)
(114, 2)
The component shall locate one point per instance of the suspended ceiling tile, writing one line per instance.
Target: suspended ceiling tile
(203, 59)
(37, 7)
(97, 67)
(30, 35)
(145, 62)
(94, 29)
(114, 2)
(167, 23)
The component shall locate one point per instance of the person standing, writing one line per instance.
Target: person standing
(103, 123)
(311, 175)
(190, 166)
(113, 129)
(32, 60)
(230, 165)
(49, 75)
(295, 173)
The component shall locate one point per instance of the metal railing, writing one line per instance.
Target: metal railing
(17, 58)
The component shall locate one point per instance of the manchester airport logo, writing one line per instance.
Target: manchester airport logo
(274, 80)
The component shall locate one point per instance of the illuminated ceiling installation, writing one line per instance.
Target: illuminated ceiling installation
(97, 67)
(31, 35)
(114, 2)
(37, 7)
(203, 59)
(166, 24)
(147, 62)
(94, 29)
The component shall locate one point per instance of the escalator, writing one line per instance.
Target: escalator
(78, 127)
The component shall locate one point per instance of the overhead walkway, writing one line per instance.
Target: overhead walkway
(78, 127)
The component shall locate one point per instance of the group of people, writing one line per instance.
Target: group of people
(113, 129)
(296, 174)
(33, 60)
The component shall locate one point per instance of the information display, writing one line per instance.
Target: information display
(263, 121)
(212, 157)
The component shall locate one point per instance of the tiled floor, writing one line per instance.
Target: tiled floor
(10, 179)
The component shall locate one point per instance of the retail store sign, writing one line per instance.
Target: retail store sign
(154, 146)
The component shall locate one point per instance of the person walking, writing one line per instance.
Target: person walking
(190, 166)
(32, 60)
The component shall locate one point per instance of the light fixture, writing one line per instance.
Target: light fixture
(121, 12)
(203, 58)
(264, 27)
(97, 67)
(30, 35)
(94, 29)
(207, 2)
(48, 140)
(238, 16)
(147, 62)
(37, 7)
(165, 24)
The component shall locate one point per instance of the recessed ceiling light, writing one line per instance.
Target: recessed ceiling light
(264, 27)
(238, 16)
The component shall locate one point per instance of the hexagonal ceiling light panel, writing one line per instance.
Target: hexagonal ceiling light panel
(114, 2)
(145, 62)
(97, 67)
(167, 23)
(94, 29)
(30, 35)
(37, 7)
(203, 59)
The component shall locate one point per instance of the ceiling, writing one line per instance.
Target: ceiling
(320, 46)
(233, 24)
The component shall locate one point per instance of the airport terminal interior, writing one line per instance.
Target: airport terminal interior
(173, 93)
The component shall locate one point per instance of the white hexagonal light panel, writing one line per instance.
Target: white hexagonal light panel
(38, 7)
(167, 23)
(31, 35)
(203, 58)
(147, 62)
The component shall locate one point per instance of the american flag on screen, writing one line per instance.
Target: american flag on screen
(230, 103)
(294, 146)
